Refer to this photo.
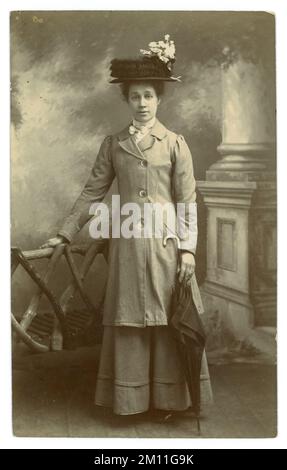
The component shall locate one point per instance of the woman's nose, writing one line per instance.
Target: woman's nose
(142, 101)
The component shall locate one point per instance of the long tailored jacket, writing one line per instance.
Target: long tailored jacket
(142, 271)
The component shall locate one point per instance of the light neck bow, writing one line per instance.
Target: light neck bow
(139, 130)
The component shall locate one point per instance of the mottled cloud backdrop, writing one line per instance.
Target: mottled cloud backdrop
(63, 105)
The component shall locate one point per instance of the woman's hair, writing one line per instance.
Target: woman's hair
(157, 85)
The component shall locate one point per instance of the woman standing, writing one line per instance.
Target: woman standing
(139, 367)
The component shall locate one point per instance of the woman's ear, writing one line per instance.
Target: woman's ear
(158, 101)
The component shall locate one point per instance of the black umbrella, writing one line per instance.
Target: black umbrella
(189, 334)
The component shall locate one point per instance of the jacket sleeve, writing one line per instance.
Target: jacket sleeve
(184, 195)
(95, 189)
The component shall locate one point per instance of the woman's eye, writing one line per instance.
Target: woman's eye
(137, 97)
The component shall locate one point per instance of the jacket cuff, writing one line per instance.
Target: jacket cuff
(186, 245)
(66, 235)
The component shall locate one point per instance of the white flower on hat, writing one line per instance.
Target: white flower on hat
(164, 50)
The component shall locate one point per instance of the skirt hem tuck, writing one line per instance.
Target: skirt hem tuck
(140, 368)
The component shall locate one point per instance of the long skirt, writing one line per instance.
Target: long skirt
(140, 369)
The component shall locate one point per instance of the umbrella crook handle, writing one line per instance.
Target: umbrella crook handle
(171, 236)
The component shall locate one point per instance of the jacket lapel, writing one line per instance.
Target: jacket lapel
(129, 145)
(146, 143)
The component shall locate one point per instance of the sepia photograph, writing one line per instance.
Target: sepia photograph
(143, 224)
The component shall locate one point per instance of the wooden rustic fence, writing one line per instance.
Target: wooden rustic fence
(60, 328)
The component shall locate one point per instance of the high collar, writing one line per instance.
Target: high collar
(158, 130)
(148, 124)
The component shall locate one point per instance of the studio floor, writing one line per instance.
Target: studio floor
(53, 397)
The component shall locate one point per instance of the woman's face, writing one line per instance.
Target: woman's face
(143, 101)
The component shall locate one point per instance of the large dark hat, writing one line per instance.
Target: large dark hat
(154, 64)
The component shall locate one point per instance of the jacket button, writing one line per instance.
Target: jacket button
(141, 223)
(142, 193)
(143, 163)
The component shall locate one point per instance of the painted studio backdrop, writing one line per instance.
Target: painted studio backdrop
(63, 107)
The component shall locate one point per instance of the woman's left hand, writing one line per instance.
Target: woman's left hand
(187, 267)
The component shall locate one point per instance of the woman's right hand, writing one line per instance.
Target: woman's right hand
(52, 242)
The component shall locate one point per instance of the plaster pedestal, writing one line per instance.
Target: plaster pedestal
(240, 195)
